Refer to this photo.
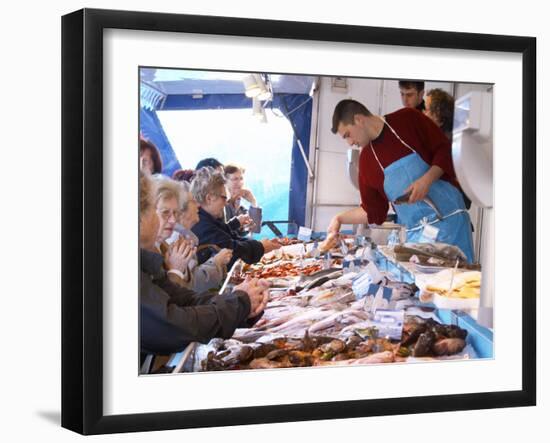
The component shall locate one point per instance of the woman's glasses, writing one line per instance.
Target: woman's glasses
(165, 214)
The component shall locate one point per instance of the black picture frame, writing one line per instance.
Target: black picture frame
(82, 218)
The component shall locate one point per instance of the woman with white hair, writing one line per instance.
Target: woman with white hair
(171, 316)
(208, 188)
(174, 203)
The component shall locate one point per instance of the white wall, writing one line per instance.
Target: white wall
(334, 191)
(30, 285)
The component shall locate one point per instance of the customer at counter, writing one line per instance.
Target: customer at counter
(405, 160)
(172, 316)
(235, 213)
(211, 273)
(412, 94)
(208, 188)
(210, 162)
(178, 212)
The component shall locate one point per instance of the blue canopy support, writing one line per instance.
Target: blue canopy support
(297, 108)
(151, 129)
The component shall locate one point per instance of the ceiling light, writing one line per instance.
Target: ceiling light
(256, 87)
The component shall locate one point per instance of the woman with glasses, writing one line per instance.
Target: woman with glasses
(208, 189)
(177, 213)
(172, 316)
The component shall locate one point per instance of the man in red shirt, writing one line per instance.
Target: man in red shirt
(405, 160)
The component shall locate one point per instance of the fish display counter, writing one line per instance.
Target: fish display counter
(353, 305)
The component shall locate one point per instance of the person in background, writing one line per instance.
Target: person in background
(183, 175)
(171, 316)
(412, 94)
(405, 159)
(210, 163)
(149, 157)
(174, 204)
(208, 188)
(440, 107)
(234, 210)
(211, 273)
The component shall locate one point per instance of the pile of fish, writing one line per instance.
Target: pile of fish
(286, 269)
(426, 337)
(326, 325)
(292, 353)
(421, 338)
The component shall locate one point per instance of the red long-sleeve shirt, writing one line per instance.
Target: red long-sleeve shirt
(420, 133)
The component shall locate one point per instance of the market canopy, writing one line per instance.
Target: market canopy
(177, 89)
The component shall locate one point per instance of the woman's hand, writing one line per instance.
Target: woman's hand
(270, 245)
(223, 257)
(245, 220)
(248, 196)
(179, 255)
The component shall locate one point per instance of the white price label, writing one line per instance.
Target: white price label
(304, 233)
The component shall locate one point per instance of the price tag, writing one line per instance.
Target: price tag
(429, 233)
(373, 272)
(327, 262)
(304, 233)
(389, 323)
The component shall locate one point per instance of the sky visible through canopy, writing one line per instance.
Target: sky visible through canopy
(235, 136)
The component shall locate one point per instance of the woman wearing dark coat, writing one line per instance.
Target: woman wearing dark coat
(208, 188)
(172, 316)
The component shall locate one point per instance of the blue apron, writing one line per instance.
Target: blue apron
(453, 220)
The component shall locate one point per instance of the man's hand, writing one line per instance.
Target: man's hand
(258, 294)
(330, 242)
(334, 226)
(419, 189)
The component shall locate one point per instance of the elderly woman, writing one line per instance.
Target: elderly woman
(149, 157)
(236, 215)
(174, 203)
(172, 316)
(208, 188)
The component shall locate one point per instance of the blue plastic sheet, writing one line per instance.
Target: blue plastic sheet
(151, 129)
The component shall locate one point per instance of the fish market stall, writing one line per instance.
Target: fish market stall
(351, 305)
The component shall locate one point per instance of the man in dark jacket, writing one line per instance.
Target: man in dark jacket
(173, 316)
